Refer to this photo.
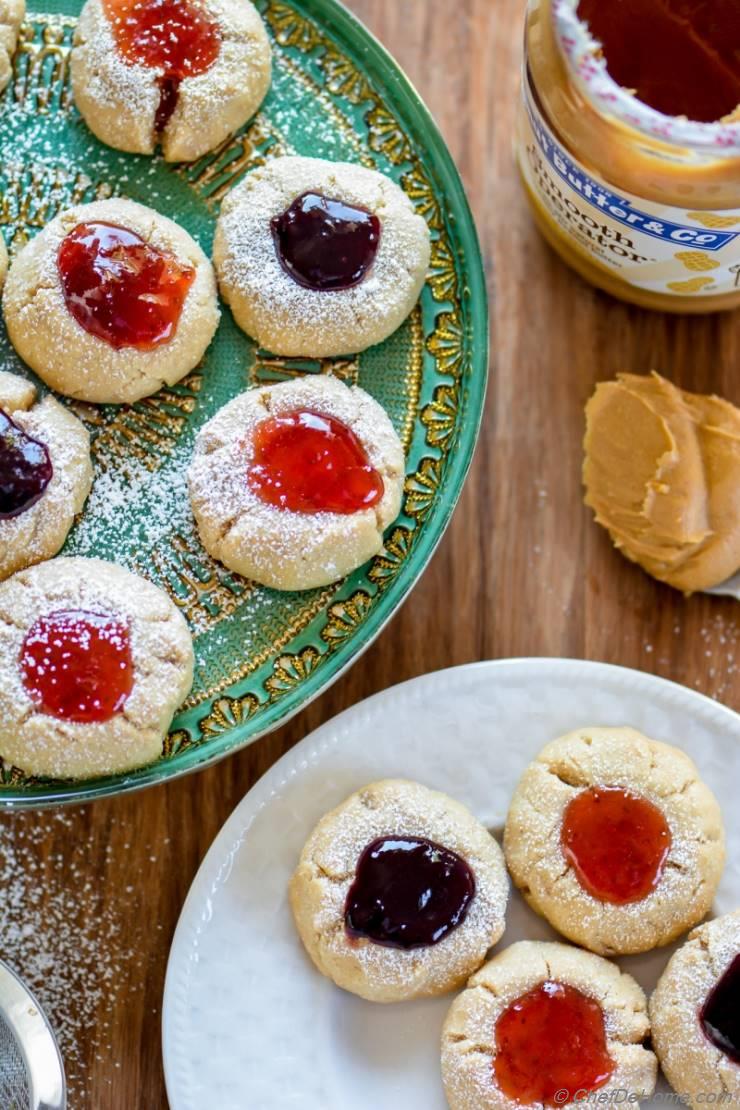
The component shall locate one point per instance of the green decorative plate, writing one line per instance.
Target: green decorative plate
(260, 655)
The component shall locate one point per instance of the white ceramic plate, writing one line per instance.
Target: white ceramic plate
(248, 1024)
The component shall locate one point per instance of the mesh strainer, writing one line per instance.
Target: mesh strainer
(31, 1070)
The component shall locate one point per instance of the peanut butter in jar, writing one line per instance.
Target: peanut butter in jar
(636, 195)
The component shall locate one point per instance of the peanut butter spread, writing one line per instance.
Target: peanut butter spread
(662, 474)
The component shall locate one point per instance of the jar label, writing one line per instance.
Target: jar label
(650, 246)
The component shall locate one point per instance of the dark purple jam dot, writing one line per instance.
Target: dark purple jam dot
(169, 94)
(325, 244)
(408, 893)
(25, 469)
(720, 1014)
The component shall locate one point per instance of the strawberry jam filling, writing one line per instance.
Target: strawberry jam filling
(550, 1041)
(408, 892)
(175, 37)
(307, 462)
(77, 665)
(325, 244)
(25, 469)
(720, 1014)
(120, 288)
(679, 56)
(616, 842)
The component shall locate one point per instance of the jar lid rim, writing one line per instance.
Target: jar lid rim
(588, 68)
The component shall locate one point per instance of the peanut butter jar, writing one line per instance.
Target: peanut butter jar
(643, 204)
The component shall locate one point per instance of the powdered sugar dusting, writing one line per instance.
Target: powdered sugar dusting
(279, 547)
(388, 808)
(289, 318)
(64, 939)
(39, 532)
(665, 776)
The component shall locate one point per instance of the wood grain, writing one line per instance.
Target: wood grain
(522, 570)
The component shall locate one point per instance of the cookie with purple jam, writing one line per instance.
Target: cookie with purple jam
(399, 893)
(45, 474)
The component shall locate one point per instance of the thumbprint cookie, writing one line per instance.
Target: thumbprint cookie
(293, 484)
(94, 661)
(111, 301)
(12, 14)
(695, 1013)
(399, 893)
(319, 258)
(183, 74)
(615, 839)
(547, 1025)
(45, 474)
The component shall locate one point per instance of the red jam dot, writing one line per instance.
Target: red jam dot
(616, 842)
(25, 469)
(121, 289)
(720, 1014)
(77, 666)
(325, 244)
(173, 36)
(408, 893)
(309, 463)
(549, 1041)
(680, 56)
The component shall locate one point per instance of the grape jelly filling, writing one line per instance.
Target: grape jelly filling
(307, 462)
(408, 892)
(720, 1014)
(174, 36)
(120, 288)
(25, 469)
(325, 244)
(77, 665)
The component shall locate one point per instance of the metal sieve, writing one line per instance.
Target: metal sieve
(31, 1069)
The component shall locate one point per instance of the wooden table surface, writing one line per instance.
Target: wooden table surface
(522, 571)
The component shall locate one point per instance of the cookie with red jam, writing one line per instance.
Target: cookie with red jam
(615, 839)
(180, 74)
(111, 301)
(547, 1025)
(293, 485)
(94, 661)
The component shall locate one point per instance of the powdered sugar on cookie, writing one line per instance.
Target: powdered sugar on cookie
(280, 548)
(288, 318)
(327, 868)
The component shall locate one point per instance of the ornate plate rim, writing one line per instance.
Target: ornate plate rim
(344, 25)
(330, 736)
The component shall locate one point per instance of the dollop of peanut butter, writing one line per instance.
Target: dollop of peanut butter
(662, 474)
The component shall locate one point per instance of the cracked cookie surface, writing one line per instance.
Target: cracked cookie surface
(662, 775)
(696, 1068)
(468, 1037)
(38, 532)
(284, 316)
(162, 666)
(280, 548)
(119, 100)
(327, 870)
(79, 364)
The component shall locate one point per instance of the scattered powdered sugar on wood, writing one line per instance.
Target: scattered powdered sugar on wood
(63, 937)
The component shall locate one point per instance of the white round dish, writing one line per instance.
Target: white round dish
(247, 1020)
